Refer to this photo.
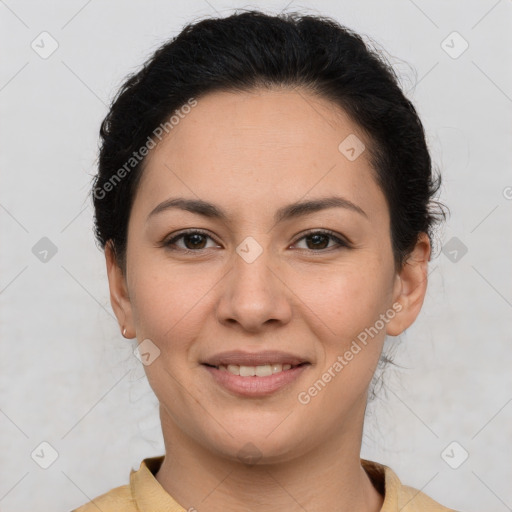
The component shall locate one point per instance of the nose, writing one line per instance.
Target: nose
(254, 295)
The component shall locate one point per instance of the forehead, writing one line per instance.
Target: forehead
(251, 148)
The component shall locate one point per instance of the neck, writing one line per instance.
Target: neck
(329, 477)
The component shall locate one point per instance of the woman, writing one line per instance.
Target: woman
(265, 203)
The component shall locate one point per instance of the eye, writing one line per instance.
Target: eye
(320, 238)
(193, 240)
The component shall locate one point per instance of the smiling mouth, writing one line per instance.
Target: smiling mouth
(265, 370)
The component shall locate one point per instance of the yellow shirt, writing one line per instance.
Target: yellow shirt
(145, 494)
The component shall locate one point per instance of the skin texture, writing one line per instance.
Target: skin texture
(251, 153)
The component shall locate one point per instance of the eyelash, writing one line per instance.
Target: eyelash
(340, 242)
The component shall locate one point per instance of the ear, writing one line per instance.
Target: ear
(410, 287)
(119, 298)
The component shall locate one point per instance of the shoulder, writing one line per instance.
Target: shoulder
(143, 491)
(115, 500)
(413, 500)
(397, 496)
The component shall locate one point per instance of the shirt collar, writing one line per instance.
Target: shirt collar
(146, 490)
(149, 495)
(385, 481)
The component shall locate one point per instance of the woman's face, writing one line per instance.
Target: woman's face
(263, 276)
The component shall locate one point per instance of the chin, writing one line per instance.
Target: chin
(259, 444)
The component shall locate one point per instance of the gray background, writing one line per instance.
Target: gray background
(67, 376)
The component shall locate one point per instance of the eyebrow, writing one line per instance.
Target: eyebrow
(290, 211)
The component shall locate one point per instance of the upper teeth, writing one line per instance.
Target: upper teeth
(250, 371)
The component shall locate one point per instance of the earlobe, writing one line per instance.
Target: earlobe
(410, 287)
(119, 298)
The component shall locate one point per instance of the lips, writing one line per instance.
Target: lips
(256, 386)
(240, 358)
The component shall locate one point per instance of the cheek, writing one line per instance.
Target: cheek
(167, 302)
(346, 299)
(348, 303)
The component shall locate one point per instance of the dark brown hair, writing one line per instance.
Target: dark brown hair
(252, 49)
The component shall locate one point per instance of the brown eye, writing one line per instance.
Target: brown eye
(196, 241)
(319, 240)
(193, 241)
